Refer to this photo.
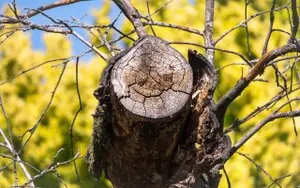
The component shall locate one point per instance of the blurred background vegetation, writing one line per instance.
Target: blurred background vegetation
(275, 148)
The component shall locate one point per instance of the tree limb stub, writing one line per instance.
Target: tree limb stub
(151, 89)
(148, 131)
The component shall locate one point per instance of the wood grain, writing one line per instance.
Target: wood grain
(152, 80)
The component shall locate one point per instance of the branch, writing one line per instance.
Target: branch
(247, 29)
(170, 25)
(59, 3)
(243, 23)
(75, 117)
(262, 108)
(52, 167)
(295, 17)
(278, 179)
(272, 18)
(259, 67)
(9, 142)
(214, 49)
(94, 48)
(18, 159)
(37, 11)
(209, 30)
(32, 68)
(32, 130)
(260, 125)
(259, 167)
(133, 15)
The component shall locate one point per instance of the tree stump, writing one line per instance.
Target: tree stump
(148, 132)
(151, 92)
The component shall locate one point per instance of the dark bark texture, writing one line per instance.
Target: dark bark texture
(155, 124)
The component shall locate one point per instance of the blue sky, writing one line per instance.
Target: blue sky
(78, 10)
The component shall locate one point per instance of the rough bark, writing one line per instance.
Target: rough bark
(148, 131)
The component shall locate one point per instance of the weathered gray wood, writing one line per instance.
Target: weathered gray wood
(152, 79)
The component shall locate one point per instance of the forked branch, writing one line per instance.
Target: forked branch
(232, 94)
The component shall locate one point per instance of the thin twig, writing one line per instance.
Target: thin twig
(133, 15)
(214, 48)
(285, 89)
(259, 109)
(58, 3)
(259, 67)
(18, 159)
(295, 23)
(242, 24)
(162, 7)
(75, 117)
(247, 2)
(35, 126)
(260, 125)
(149, 16)
(209, 30)
(259, 167)
(102, 55)
(278, 179)
(174, 26)
(227, 178)
(32, 68)
(10, 144)
(52, 168)
(272, 18)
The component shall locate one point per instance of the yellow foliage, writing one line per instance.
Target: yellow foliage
(275, 147)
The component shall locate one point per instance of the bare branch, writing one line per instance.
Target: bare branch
(58, 3)
(18, 159)
(295, 18)
(102, 55)
(260, 109)
(278, 179)
(272, 18)
(209, 30)
(66, 30)
(260, 125)
(227, 178)
(52, 168)
(9, 142)
(170, 25)
(247, 29)
(232, 94)
(133, 15)
(35, 126)
(30, 69)
(78, 36)
(149, 16)
(213, 48)
(260, 168)
(162, 7)
(75, 117)
(243, 23)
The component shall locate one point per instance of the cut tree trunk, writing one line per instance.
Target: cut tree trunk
(148, 130)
